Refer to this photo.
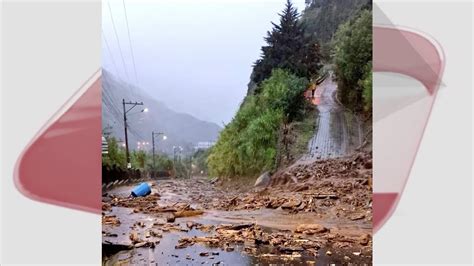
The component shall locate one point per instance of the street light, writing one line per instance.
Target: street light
(153, 134)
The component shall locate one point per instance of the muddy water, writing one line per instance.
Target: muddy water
(339, 131)
(164, 253)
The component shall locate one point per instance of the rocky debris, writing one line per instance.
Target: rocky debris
(110, 220)
(359, 164)
(263, 180)
(310, 229)
(106, 207)
(170, 219)
(187, 213)
(234, 226)
(134, 237)
(357, 216)
(108, 234)
(365, 239)
(332, 190)
(252, 237)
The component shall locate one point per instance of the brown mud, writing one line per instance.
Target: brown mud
(312, 214)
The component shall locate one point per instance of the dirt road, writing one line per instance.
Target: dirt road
(339, 131)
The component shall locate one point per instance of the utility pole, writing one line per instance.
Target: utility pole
(153, 144)
(125, 111)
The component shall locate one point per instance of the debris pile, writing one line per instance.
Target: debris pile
(334, 195)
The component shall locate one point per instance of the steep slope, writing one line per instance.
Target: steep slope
(181, 129)
(322, 17)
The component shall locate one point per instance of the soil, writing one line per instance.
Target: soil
(312, 214)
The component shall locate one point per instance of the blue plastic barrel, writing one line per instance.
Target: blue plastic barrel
(141, 190)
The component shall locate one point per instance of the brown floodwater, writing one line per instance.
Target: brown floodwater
(164, 253)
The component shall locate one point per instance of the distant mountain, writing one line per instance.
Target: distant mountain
(181, 129)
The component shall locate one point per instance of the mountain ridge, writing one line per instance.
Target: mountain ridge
(181, 129)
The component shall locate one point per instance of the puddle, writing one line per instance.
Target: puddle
(165, 253)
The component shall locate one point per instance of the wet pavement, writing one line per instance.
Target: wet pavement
(324, 218)
(339, 131)
(316, 212)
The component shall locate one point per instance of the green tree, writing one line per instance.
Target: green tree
(352, 57)
(287, 49)
(139, 159)
(366, 85)
(116, 154)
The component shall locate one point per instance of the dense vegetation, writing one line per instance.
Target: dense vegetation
(353, 61)
(139, 159)
(248, 145)
(322, 17)
(262, 134)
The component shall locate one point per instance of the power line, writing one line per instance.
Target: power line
(110, 52)
(118, 41)
(130, 41)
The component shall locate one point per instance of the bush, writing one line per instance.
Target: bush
(352, 57)
(247, 145)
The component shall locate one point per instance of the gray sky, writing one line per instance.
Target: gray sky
(193, 55)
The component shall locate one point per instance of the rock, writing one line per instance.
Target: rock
(188, 213)
(263, 180)
(346, 258)
(328, 253)
(170, 219)
(311, 228)
(290, 250)
(357, 216)
(110, 220)
(364, 239)
(190, 224)
(234, 226)
(291, 204)
(134, 237)
(205, 228)
(141, 244)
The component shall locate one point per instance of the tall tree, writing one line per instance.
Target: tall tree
(286, 48)
(353, 61)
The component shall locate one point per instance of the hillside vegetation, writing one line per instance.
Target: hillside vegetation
(248, 144)
(353, 61)
(257, 139)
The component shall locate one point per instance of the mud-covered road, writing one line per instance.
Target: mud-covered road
(339, 131)
(323, 218)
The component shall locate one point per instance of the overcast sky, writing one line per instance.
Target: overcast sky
(193, 55)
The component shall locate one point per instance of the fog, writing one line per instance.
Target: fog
(193, 55)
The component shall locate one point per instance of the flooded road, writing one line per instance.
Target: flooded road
(339, 131)
(316, 212)
(224, 226)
